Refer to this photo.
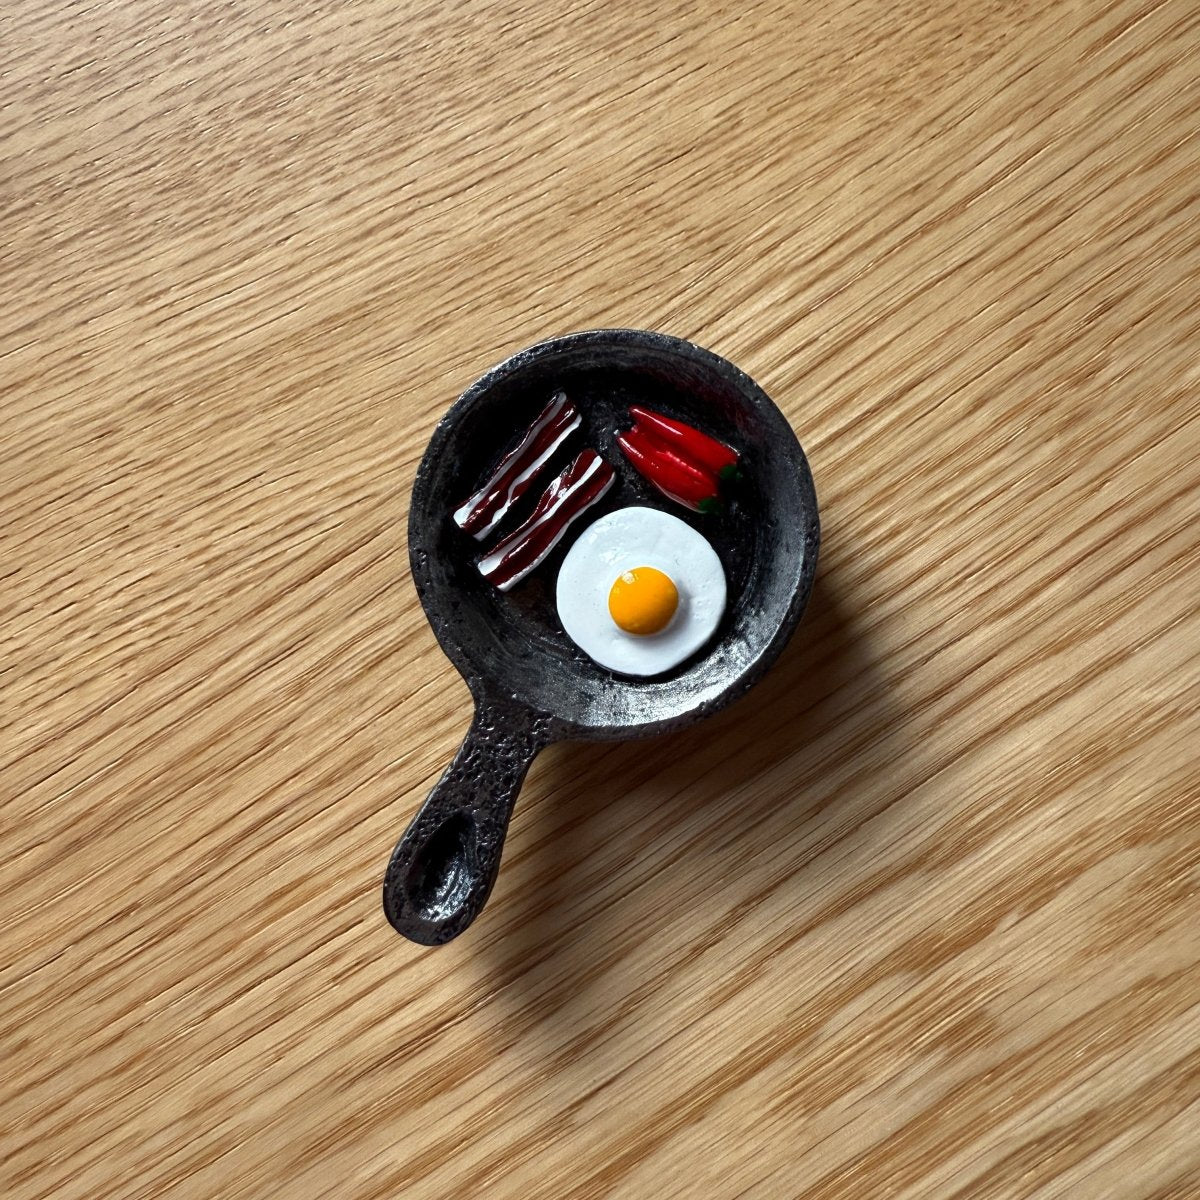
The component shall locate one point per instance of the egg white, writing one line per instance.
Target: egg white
(618, 542)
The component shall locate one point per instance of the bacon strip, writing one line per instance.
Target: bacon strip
(566, 499)
(482, 512)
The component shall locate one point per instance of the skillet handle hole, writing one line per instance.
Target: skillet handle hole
(440, 878)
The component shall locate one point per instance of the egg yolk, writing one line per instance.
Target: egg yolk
(643, 601)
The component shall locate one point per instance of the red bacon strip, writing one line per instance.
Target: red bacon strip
(566, 499)
(481, 513)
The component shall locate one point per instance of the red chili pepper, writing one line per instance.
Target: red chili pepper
(689, 443)
(675, 477)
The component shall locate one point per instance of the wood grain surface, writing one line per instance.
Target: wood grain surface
(920, 917)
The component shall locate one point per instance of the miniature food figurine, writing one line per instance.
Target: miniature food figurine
(482, 512)
(640, 591)
(567, 498)
(687, 466)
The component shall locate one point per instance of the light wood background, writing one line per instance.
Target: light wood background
(918, 918)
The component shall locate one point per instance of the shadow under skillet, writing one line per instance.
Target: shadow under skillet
(562, 919)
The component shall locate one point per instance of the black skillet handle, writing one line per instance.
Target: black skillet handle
(443, 868)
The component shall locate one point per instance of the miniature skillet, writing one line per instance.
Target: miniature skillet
(531, 685)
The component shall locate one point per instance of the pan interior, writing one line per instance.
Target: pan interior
(511, 646)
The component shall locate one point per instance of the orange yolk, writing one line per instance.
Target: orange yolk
(643, 601)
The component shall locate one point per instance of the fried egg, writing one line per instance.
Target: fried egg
(640, 591)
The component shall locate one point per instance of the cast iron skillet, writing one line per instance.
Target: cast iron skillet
(530, 683)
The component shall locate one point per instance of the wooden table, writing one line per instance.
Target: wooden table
(918, 918)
